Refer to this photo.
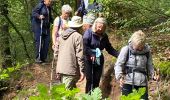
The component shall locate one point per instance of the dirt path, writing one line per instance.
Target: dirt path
(33, 74)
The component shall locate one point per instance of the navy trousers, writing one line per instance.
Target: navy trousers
(45, 40)
(93, 79)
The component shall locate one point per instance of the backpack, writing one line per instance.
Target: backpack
(125, 71)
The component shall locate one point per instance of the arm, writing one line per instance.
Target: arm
(36, 11)
(54, 31)
(150, 66)
(109, 48)
(87, 42)
(120, 63)
(79, 56)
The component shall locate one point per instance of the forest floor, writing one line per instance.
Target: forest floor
(27, 79)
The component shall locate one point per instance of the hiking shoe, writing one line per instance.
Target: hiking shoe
(38, 61)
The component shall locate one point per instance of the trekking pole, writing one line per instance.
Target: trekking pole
(52, 69)
(39, 49)
(159, 96)
(157, 83)
(92, 74)
(55, 55)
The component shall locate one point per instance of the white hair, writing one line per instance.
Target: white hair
(138, 38)
(66, 8)
(98, 20)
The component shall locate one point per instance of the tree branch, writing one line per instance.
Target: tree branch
(20, 35)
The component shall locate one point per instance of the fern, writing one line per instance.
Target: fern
(58, 92)
(96, 94)
(135, 95)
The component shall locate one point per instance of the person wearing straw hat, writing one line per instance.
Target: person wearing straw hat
(70, 64)
(95, 40)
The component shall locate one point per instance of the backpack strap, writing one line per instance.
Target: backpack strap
(59, 24)
(127, 58)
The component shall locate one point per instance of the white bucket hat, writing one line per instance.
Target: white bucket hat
(75, 22)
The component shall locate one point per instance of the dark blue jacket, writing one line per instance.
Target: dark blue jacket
(92, 41)
(41, 9)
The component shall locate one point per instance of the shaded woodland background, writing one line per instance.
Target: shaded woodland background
(124, 16)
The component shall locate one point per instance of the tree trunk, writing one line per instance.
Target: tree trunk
(5, 53)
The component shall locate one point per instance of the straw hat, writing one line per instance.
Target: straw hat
(75, 22)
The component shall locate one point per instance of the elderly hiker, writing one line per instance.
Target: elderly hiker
(60, 24)
(41, 18)
(134, 65)
(70, 64)
(88, 21)
(95, 40)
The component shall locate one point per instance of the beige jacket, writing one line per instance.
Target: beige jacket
(70, 56)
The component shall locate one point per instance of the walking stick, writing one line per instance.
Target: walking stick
(55, 55)
(93, 62)
(157, 83)
(52, 69)
(39, 49)
(159, 96)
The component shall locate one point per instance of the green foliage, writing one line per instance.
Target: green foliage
(43, 93)
(132, 14)
(5, 73)
(126, 15)
(58, 92)
(135, 95)
(164, 68)
(162, 27)
(95, 95)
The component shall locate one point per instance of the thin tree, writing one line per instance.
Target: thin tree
(5, 53)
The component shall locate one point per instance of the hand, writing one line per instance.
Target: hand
(53, 47)
(92, 58)
(157, 75)
(82, 76)
(58, 77)
(121, 81)
(41, 17)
